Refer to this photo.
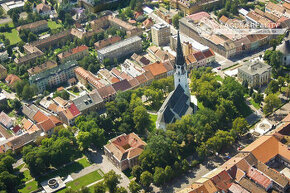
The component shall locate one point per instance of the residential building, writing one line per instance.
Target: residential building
(121, 49)
(148, 23)
(28, 58)
(53, 76)
(5, 120)
(46, 122)
(177, 103)
(165, 14)
(87, 78)
(122, 86)
(34, 27)
(159, 55)
(69, 114)
(157, 69)
(190, 7)
(141, 60)
(255, 73)
(109, 20)
(44, 9)
(4, 56)
(160, 34)
(74, 54)
(7, 6)
(11, 79)
(43, 67)
(106, 42)
(108, 93)
(89, 102)
(3, 72)
(202, 28)
(124, 150)
(262, 166)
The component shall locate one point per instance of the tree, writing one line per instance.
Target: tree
(240, 126)
(121, 190)
(271, 101)
(146, 179)
(141, 119)
(273, 87)
(159, 176)
(100, 188)
(281, 81)
(169, 173)
(111, 179)
(185, 165)
(175, 20)
(9, 181)
(136, 172)
(65, 95)
(134, 187)
(84, 140)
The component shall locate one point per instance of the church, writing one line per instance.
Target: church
(178, 102)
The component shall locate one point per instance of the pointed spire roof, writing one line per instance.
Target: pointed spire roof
(179, 60)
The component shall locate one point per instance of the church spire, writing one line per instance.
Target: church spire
(179, 60)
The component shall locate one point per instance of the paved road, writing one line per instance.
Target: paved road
(102, 162)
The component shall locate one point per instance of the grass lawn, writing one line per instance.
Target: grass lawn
(65, 171)
(83, 181)
(219, 78)
(27, 176)
(13, 36)
(20, 166)
(10, 24)
(53, 25)
(153, 119)
(256, 105)
(29, 187)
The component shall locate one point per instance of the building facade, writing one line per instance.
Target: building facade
(121, 49)
(160, 34)
(124, 150)
(255, 73)
(53, 76)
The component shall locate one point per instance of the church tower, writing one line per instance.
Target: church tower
(180, 74)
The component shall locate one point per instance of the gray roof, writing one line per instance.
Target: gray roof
(30, 110)
(87, 101)
(254, 68)
(175, 103)
(120, 44)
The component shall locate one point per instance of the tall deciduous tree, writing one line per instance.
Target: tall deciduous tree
(111, 180)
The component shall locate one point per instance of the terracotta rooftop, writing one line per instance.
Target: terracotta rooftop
(106, 91)
(32, 25)
(16, 129)
(156, 68)
(45, 66)
(126, 146)
(198, 16)
(267, 147)
(72, 51)
(259, 178)
(224, 19)
(11, 79)
(123, 85)
(251, 186)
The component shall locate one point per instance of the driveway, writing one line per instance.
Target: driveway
(101, 161)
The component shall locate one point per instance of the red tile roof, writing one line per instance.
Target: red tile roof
(156, 68)
(74, 110)
(199, 56)
(11, 79)
(16, 129)
(198, 16)
(259, 178)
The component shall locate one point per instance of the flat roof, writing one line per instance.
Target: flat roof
(120, 44)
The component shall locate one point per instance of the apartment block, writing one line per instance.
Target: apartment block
(74, 54)
(160, 34)
(121, 49)
(53, 76)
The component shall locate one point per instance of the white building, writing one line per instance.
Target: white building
(160, 34)
(177, 104)
(255, 72)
